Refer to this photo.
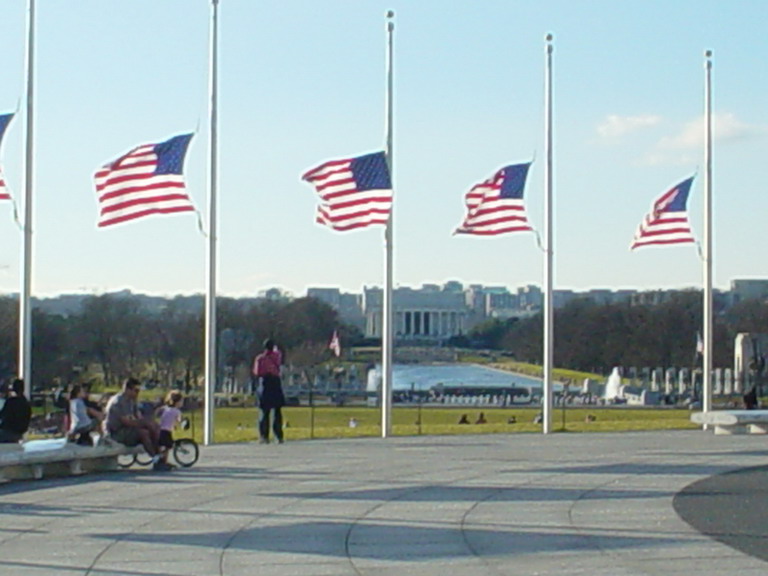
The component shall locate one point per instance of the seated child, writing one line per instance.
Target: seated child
(170, 415)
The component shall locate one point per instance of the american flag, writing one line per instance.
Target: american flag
(5, 119)
(147, 180)
(354, 193)
(667, 222)
(335, 344)
(496, 205)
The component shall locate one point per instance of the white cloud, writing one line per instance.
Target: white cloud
(614, 126)
(725, 128)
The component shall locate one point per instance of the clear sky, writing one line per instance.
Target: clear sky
(304, 81)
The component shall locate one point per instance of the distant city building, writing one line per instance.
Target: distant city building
(349, 306)
(749, 290)
(274, 294)
(530, 297)
(561, 298)
(651, 297)
(423, 314)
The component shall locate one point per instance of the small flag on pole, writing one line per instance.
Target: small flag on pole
(147, 180)
(496, 206)
(667, 222)
(335, 344)
(354, 193)
(5, 119)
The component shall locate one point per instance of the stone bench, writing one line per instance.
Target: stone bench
(734, 421)
(57, 457)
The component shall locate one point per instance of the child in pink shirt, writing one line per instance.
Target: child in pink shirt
(170, 415)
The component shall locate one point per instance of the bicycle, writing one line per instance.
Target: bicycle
(185, 452)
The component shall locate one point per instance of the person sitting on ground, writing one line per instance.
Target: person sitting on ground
(512, 420)
(125, 425)
(463, 419)
(15, 415)
(81, 424)
(481, 419)
(170, 415)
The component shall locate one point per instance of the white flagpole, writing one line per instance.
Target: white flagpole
(706, 404)
(387, 315)
(25, 300)
(210, 295)
(548, 318)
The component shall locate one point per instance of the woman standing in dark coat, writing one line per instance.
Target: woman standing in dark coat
(266, 368)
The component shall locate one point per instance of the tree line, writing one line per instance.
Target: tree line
(114, 336)
(595, 337)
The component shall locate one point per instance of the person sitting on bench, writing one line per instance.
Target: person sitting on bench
(124, 424)
(82, 420)
(15, 415)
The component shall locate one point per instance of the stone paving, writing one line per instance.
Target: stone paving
(524, 504)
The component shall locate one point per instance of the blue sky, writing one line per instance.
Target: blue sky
(304, 81)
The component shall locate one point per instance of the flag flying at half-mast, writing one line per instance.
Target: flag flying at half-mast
(147, 180)
(335, 344)
(667, 222)
(354, 193)
(496, 206)
(5, 119)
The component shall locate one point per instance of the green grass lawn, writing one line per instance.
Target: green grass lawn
(239, 424)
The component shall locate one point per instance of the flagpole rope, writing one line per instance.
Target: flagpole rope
(538, 239)
(200, 224)
(16, 215)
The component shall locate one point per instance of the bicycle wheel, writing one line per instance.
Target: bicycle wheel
(126, 460)
(185, 452)
(143, 459)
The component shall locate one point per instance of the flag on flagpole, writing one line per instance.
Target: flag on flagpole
(667, 222)
(496, 206)
(5, 119)
(147, 180)
(354, 193)
(335, 344)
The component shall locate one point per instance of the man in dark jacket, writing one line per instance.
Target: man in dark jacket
(15, 415)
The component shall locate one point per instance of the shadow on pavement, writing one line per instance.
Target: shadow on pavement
(387, 541)
(731, 508)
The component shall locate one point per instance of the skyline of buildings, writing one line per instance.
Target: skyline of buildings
(433, 312)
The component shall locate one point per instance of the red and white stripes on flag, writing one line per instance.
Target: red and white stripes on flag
(667, 222)
(5, 119)
(496, 206)
(4, 194)
(354, 193)
(147, 180)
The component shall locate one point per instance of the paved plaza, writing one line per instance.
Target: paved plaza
(525, 504)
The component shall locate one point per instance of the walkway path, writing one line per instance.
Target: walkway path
(591, 504)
